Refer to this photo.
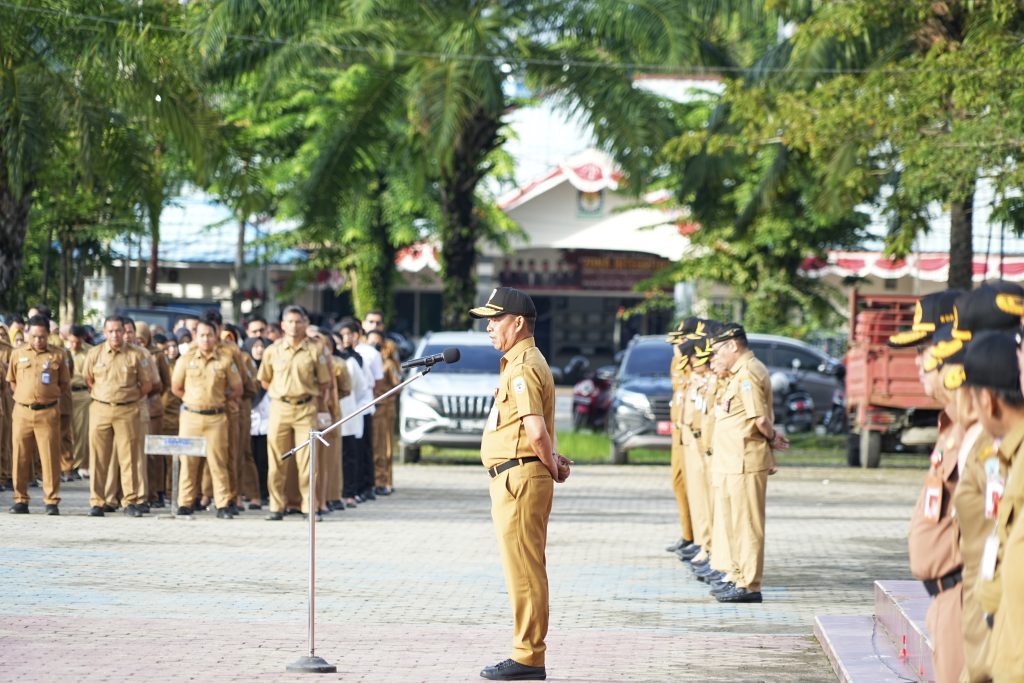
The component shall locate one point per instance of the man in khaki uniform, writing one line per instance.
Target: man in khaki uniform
(296, 377)
(695, 458)
(519, 451)
(39, 377)
(743, 442)
(679, 372)
(119, 376)
(5, 410)
(114, 491)
(992, 371)
(384, 418)
(204, 378)
(80, 399)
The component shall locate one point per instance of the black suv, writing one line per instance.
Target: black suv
(641, 396)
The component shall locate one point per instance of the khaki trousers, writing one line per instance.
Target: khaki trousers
(67, 441)
(383, 444)
(520, 506)
(289, 425)
(36, 433)
(156, 465)
(234, 449)
(944, 622)
(975, 635)
(5, 436)
(113, 435)
(115, 485)
(80, 401)
(721, 556)
(249, 478)
(746, 500)
(678, 468)
(214, 428)
(698, 492)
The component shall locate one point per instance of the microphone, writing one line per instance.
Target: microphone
(451, 355)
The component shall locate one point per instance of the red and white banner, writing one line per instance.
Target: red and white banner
(932, 267)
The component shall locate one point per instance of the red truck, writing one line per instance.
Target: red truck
(885, 402)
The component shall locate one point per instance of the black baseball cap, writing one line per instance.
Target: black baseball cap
(991, 361)
(995, 305)
(945, 349)
(728, 331)
(506, 300)
(930, 312)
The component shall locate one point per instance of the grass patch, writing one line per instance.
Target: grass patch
(585, 447)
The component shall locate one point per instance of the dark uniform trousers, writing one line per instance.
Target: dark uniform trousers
(521, 500)
(36, 433)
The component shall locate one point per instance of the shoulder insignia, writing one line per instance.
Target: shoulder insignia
(745, 385)
(519, 384)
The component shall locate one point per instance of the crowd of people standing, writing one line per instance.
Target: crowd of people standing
(74, 405)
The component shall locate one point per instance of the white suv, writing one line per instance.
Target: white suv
(449, 406)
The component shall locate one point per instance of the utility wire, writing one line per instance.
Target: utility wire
(676, 69)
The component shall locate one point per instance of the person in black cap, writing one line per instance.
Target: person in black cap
(743, 442)
(519, 451)
(992, 371)
(930, 312)
(679, 372)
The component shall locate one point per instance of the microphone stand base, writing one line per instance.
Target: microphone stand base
(311, 665)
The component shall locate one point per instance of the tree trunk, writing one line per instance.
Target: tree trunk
(373, 280)
(13, 225)
(236, 274)
(461, 226)
(961, 244)
(154, 252)
(46, 264)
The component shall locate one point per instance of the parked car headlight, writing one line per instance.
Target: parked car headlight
(424, 398)
(635, 400)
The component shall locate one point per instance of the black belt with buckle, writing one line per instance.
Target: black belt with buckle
(37, 406)
(79, 388)
(211, 411)
(509, 464)
(296, 401)
(936, 586)
(108, 403)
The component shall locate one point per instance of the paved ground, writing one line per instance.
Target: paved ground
(410, 587)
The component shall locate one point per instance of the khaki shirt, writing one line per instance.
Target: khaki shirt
(78, 362)
(172, 405)
(1005, 643)
(706, 404)
(738, 445)
(525, 387)
(5, 357)
(340, 387)
(39, 377)
(206, 378)
(933, 546)
(293, 373)
(116, 376)
(238, 356)
(969, 505)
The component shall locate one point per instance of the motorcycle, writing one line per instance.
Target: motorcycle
(835, 421)
(796, 409)
(592, 399)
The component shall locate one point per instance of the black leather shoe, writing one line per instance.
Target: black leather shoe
(368, 494)
(255, 506)
(319, 517)
(382, 490)
(678, 545)
(738, 594)
(274, 516)
(511, 670)
(185, 510)
(95, 511)
(159, 502)
(697, 566)
(133, 511)
(52, 510)
(110, 508)
(143, 508)
(233, 510)
(689, 552)
(19, 509)
(722, 587)
(224, 513)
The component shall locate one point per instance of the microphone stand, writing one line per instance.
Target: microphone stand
(311, 663)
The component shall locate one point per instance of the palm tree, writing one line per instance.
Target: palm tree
(93, 73)
(445, 66)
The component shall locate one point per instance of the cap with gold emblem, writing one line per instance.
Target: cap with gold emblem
(930, 312)
(995, 305)
(945, 349)
(506, 300)
(728, 331)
